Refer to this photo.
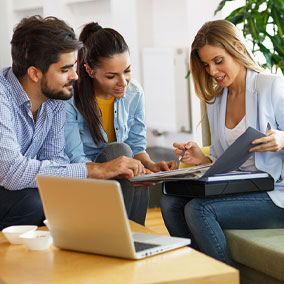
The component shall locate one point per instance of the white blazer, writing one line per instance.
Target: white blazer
(264, 103)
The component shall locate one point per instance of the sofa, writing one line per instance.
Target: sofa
(258, 254)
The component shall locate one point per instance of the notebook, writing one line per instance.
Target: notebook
(88, 215)
(217, 186)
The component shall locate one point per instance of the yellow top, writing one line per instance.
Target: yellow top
(205, 150)
(106, 107)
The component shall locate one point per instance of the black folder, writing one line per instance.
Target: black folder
(205, 188)
(218, 180)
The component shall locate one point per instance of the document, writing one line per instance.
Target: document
(236, 154)
(230, 161)
(192, 172)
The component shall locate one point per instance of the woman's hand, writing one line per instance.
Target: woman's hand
(273, 141)
(193, 154)
(155, 167)
(162, 166)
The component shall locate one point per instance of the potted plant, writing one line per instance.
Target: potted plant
(262, 22)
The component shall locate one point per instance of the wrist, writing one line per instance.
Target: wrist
(149, 164)
(206, 160)
(94, 171)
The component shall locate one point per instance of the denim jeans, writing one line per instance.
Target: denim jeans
(136, 199)
(20, 207)
(204, 219)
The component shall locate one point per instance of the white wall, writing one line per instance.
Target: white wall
(6, 26)
(143, 23)
(175, 24)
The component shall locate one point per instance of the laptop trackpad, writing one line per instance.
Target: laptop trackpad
(144, 237)
(151, 239)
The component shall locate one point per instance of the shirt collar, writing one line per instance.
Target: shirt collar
(19, 94)
(251, 81)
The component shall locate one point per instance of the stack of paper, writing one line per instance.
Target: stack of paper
(192, 172)
(230, 161)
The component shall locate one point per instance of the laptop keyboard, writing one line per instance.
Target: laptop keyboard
(142, 246)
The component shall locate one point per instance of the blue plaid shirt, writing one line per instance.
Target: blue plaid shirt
(26, 148)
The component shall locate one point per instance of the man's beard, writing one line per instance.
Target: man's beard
(56, 95)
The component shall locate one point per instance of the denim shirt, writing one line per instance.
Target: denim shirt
(129, 126)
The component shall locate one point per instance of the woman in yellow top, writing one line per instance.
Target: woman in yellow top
(105, 120)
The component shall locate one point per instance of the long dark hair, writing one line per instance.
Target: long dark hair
(39, 41)
(99, 43)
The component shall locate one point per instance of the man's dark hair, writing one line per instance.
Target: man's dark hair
(39, 41)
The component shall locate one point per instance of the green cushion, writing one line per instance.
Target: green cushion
(261, 250)
(251, 276)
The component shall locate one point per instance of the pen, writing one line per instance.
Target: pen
(182, 154)
(268, 126)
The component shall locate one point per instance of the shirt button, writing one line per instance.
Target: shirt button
(117, 128)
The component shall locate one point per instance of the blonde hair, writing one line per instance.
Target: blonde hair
(224, 34)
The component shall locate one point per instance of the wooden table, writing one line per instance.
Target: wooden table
(184, 265)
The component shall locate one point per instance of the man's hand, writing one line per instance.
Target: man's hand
(144, 183)
(122, 167)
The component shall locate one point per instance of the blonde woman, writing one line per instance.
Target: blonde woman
(237, 94)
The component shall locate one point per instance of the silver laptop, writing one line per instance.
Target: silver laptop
(88, 215)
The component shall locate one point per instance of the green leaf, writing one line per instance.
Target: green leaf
(277, 44)
(237, 11)
(221, 5)
(259, 3)
(261, 20)
(278, 19)
(187, 74)
(278, 62)
(252, 27)
(267, 54)
(237, 19)
(278, 3)
(237, 16)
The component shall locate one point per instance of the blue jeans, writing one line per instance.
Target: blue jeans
(20, 207)
(136, 199)
(204, 219)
